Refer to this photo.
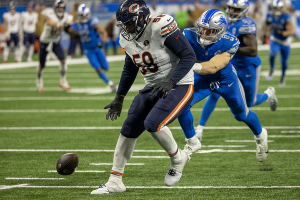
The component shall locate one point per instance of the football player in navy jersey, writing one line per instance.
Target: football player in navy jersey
(246, 62)
(282, 29)
(214, 47)
(89, 31)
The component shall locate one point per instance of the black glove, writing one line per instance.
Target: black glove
(278, 32)
(115, 108)
(100, 45)
(163, 88)
(264, 39)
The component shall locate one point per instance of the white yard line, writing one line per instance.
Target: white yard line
(245, 151)
(112, 164)
(126, 110)
(150, 157)
(118, 128)
(34, 178)
(284, 136)
(245, 140)
(80, 171)
(158, 187)
(5, 187)
(290, 131)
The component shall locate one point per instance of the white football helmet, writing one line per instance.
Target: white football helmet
(242, 5)
(277, 7)
(83, 13)
(211, 27)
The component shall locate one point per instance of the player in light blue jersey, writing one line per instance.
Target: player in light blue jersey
(246, 62)
(214, 48)
(89, 31)
(281, 29)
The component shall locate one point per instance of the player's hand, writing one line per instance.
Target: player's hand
(163, 88)
(278, 32)
(115, 108)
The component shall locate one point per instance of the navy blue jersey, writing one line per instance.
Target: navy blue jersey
(240, 28)
(279, 23)
(89, 37)
(228, 43)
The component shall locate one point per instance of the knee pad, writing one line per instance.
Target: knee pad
(240, 117)
(150, 126)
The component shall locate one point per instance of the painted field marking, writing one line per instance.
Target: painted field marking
(56, 81)
(284, 136)
(126, 110)
(245, 140)
(34, 178)
(290, 131)
(150, 157)
(5, 187)
(81, 171)
(112, 164)
(74, 150)
(158, 187)
(119, 127)
(245, 151)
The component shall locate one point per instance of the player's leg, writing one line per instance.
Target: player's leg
(72, 47)
(285, 52)
(18, 55)
(163, 113)
(31, 41)
(208, 108)
(6, 50)
(25, 41)
(132, 128)
(274, 48)
(235, 99)
(40, 68)
(63, 68)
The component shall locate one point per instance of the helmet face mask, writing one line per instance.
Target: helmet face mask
(236, 10)
(132, 18)
(211, 27)
(277, 7)
(83, 13)
(59, 8)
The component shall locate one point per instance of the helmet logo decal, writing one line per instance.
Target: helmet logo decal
(222, 21)
(134, 8)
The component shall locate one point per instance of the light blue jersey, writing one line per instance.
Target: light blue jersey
(240, 28)
(229, 43)
(89, 37)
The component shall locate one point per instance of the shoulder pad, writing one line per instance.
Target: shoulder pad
(231, 43)
(188, 33)
(247, 26)
(94, 21)
(165, 24)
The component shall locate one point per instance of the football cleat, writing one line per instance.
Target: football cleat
(272, 99)
(112, 186)
(261, 145)
(175, 171)
(269, 78)
(39, 85)
(192, 145)
(199, 132)
(113, 88)
(64, 85)
(281, 83)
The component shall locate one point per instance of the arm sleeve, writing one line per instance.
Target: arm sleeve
(128, 76)
(269, 19)
(180, 46)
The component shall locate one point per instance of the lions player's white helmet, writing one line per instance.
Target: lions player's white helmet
(83, 13)
(237, 9)
(211, 27)
(277, 7)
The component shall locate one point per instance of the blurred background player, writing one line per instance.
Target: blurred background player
(215, 47)
(29, 20)
(113, 32)
(282, 28)
(246, 62)
(12, 20)
(74, 42)
(56, 19)
(89, 31)
(39, 27)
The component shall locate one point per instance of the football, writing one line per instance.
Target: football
(67, 164)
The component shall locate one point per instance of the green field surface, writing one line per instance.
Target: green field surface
(37, 128)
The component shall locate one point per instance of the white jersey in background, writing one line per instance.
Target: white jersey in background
(13, 22)
(29, 21)
(150, 48)
(51, 34)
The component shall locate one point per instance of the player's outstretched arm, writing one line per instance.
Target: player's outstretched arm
(250, 48)
(214, 65)
(129, 74)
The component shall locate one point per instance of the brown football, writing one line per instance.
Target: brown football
(67, 164)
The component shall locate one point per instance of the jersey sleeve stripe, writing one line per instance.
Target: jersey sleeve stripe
(167, 24)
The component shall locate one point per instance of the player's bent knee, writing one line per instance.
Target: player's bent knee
(150, 126)
(240, 117)
(250, 104)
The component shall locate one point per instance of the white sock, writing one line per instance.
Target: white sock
(30, 52)
(123, 153)
(110, 83)
(18, 53)
(261, 137)
(5, 53)
(165, 139)
(63, 72)
(201, 127)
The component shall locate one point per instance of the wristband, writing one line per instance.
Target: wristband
(197, 68)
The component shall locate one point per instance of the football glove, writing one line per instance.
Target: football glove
(163, 88)
(115, 108)
(278, 32)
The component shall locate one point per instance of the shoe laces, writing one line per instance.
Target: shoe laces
(172, 172)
